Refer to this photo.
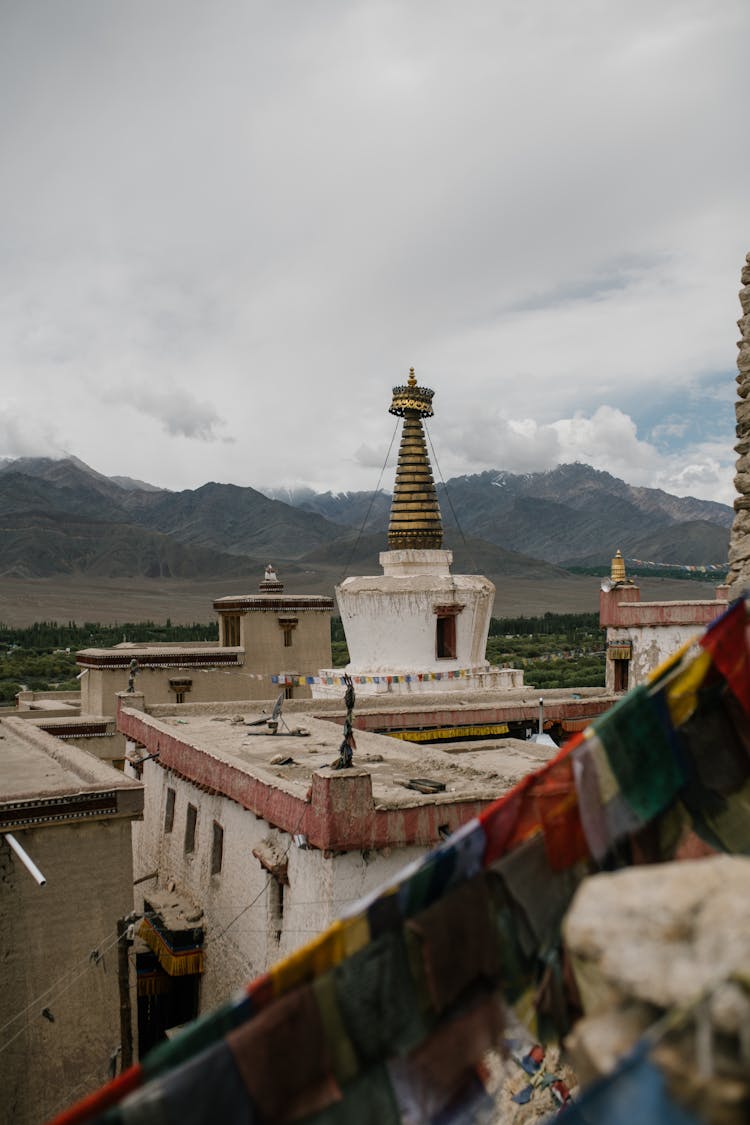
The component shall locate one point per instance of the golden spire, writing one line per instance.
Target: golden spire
(617, 573)
(415, 513)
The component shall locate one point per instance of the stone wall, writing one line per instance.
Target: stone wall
(739, 544)
(46, 937)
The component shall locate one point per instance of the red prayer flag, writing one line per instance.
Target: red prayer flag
(727, 642)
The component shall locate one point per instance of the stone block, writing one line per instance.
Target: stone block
(660, 935)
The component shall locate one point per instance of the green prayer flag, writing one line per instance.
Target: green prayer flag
(640, 754)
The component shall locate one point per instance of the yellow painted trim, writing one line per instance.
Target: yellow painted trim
(449, 733)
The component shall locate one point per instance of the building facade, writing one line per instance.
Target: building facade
(260, 636)
(60, 1000)
(251, 843)
(642, 635)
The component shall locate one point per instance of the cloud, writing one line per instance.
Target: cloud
(265, 216)
(607, 439)
(178, 411)
(24, 435)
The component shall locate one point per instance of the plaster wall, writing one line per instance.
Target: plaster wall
(100, 686)
(262, 637)
(651, 646)
(108, 747)
(390, 622)
(244, 931)
(46, 936)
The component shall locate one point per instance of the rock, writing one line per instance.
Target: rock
(662, 934)
(740, 535)
(668, 938)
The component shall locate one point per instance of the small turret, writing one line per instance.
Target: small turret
(617, 574)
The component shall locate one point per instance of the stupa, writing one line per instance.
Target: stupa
(417, 627)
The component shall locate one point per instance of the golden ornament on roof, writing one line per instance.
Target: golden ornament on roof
(415, 513)
(412, 398)
(617, 572)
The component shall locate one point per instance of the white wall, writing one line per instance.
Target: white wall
(241, 896)
(651, 647)
(390, 623)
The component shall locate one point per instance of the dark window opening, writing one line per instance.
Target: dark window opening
(288, 630)
(180, 687)
(190, 823)
(621, 674)
(217, 849)
(231, 630)
(164, 1001)
(446, 637)
(169, 811)
(288, 691)
(275, 907)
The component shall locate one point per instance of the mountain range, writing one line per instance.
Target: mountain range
(62, 517)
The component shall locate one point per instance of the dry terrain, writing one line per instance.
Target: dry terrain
(111, 600)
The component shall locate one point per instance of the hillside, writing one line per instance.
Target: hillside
(240, 521)
(41, 545)
(563, 516)
(475, 556)
(220, 518)
(64, 517)
(693, 543)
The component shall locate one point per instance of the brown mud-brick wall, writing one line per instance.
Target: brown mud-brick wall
(739, 545)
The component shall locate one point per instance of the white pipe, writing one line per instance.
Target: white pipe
(541, 716)
(25, 859)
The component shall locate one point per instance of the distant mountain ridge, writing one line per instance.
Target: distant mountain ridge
(562, 516)
(61, 516)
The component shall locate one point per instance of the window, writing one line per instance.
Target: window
(217, 849)
(231, 622)
(445, 630)
(287, 626)
(275, 907)
(288, 691)
(180, 687)
(445, 647)
(621, 675)
(190, 823)
(169, 811)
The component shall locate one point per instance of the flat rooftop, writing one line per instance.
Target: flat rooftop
(43, 780)
(480, 770)
(152, 655)
(573, 708)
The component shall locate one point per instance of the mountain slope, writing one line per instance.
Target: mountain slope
(240, 521)
(41, 545)
(571, 515)
(474, 556)
(562, 516)
(350, 509)
(693, 543)
(222, 517)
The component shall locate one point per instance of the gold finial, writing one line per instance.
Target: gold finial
(409, 398)
(617, 572)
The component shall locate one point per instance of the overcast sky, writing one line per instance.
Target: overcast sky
(227, 228)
